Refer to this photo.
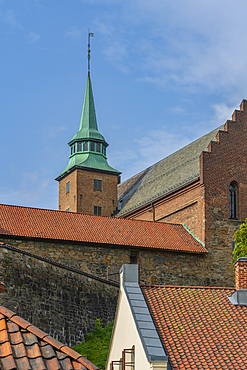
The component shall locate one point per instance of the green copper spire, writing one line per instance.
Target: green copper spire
(88, 124)
(88, 146)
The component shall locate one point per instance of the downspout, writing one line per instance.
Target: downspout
(153, 212)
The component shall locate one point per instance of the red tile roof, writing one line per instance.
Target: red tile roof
(78, 227)
(24, 347)
(199, 327)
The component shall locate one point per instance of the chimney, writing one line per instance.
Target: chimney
(240, 296)
(241, 273)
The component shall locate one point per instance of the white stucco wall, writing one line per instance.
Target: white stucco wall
(125, 335)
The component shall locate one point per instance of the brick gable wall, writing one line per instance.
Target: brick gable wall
(182, 206)
(224, 162)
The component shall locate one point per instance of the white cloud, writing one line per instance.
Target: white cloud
(31, 191)
(10, 19)
(33, 37)
(223, 112)
(75, 33)
(181, 44)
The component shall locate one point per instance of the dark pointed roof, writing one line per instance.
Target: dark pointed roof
(169, 174)
(25, 347)
(88, 134)
(88, 128)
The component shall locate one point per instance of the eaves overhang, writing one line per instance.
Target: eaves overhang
(91, 169)
(40, 238)
(156, 200)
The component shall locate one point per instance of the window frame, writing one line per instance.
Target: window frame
(97, 184)
(97, 210)
(233, 200)
(67, 187)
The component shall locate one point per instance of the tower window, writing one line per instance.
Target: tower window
(85, 146)
(92, 147)
(79, 147)
(67, 187)
(233, 200)
(97, 185)
(67, 210)
(97, 211)
(97, 148)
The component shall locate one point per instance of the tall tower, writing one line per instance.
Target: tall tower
(88, 184)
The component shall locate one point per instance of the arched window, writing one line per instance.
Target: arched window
(233, 197)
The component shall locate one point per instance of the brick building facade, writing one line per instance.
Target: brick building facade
(203, 186)
(82, 196)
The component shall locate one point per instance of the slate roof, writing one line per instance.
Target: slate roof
(25, 347)
(169, 174)
(199, 327)
(78, 227)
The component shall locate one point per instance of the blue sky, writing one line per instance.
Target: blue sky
(163, 74)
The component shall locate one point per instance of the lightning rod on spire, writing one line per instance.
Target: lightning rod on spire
(90, 34)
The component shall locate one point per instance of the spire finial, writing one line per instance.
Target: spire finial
(90, 34)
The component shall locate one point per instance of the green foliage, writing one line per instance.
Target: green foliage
(240, 249)
(96, 344)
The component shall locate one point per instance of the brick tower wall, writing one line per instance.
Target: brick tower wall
(82, 197)
(225, 162)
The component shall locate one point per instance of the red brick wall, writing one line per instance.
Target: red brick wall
(68, 200)
(87, 197)
(241, 273)
(225, 162)
(184, 206)
(205, 208)
(82, 197)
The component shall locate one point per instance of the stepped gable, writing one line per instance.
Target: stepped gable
(198, 326)
(77, 227)
(25, 347)
(169, 174)
(237, 128)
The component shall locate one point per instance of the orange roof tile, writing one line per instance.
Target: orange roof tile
(25, 347)
(78, 227)
(199, 327)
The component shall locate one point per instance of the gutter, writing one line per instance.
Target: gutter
(151, 203)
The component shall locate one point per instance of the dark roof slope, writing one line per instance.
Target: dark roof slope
(25, 347)
(78, 227)
(172, 172)
(199, 327)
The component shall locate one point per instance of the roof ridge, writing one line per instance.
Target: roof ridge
(67, 226)
(194, 236)
(118, 219)
(185, 286)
